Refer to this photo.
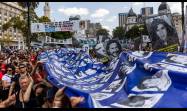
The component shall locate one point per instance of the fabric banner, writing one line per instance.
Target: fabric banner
(162, 33)
(54, 26)
(132, 80)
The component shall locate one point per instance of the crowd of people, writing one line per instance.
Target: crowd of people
(24, 84)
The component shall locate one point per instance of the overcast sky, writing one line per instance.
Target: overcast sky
(104, 12)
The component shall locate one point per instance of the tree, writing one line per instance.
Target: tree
(61, 35)
(133, 32)
(28, 5)
(22, 21)
(31, 4)
(102, 32)
(136, 31)
(7, 38)
(19, 22)
(119, 33)
(44, 19)
(144, 30)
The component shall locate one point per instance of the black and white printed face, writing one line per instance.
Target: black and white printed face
(153, 82)
(100, 49)
(134, 101)
(114, 50)
(179, 59)
(161, 32)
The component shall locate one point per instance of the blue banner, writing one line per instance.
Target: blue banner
(133, 80)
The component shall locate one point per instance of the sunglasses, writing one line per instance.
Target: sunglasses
(9, 70)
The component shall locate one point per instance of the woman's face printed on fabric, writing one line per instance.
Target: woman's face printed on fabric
(161, 32)
(179, 59)
(153, 82)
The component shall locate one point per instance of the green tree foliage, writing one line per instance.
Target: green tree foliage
(32, 4)
(44, 19)
(136, 31)
(133, 32)
(119, 33)
(61, 35)
(102, 32)
(20, 22)
(144, 31)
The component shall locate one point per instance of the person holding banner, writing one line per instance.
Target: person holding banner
(162, 34)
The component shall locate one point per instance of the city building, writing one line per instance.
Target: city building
(47, 10)
(164, 8)
(177, 20)
(122, 19)
(86, 28)
(7, 11)
(131, 20)
(93, 28)
(146, 11)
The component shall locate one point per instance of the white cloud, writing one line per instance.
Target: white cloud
(106, 27)
(137, 3)
(100, 13)
(111, 19)
(74, 11)
(98, 20)
(52, 11)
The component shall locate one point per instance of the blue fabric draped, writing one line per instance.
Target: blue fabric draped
(133, 80)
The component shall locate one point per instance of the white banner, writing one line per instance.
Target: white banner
(54, 26)
(37, 27)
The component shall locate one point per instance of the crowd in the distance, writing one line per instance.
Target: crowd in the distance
(23, 83)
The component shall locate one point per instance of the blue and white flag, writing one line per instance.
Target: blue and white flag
(133, 80)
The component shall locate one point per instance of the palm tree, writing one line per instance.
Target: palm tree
(28, 5)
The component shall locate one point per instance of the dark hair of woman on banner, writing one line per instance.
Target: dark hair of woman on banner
(162, 34)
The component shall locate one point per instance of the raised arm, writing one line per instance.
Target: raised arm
(12, 88)
(8, 102)
(58, 98)
(35, 67)
(27, 94)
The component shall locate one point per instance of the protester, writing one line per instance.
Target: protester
(24, 84)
